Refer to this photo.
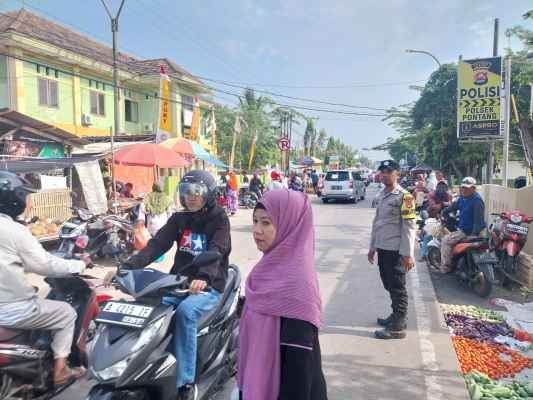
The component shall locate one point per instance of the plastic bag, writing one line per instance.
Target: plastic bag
(141, 236)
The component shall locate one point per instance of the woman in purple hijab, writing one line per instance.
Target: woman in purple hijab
(279, 351)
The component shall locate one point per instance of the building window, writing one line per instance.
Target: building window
(187, 108)
(97, 103)
(131, 110)
(48, 93)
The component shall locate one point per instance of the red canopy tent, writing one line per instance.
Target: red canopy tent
(139, 164)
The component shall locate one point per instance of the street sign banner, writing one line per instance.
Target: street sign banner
(479, 99)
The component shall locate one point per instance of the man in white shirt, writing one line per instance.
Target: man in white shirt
(20, 252)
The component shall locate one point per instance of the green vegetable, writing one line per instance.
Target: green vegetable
(502, 392)
(476, 393)
(529, 388)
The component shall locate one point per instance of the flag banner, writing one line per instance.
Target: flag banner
(164, 128)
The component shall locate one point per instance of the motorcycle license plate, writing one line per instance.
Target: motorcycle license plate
(512, 228)
(126, 314)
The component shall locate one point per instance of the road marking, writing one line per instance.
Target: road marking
(434, 389)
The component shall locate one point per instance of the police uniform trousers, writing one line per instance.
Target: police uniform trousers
(393, 276)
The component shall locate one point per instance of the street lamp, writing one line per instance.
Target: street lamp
(116, 94)
(426, 53)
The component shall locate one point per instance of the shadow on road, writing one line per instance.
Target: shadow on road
(347, 378)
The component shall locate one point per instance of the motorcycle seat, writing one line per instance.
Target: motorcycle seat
(474, 240)
(212, 314)
(9, 334)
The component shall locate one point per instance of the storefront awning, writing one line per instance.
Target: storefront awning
(13, 123)
(27, 165)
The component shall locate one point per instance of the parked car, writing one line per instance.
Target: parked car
(339, 185)
(359, 186)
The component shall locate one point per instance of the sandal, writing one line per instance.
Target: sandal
(68, 375)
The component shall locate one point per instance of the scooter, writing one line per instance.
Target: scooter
(26, 360)
(248, 199)
(473, 264)
(98, 236)
(132, 358)
(71, 230)
(508, 235)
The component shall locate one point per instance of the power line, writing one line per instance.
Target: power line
(281, 95)
(161, 17)
(301, 107)
(336, 86)
(155, 96)
(292, 97)
(59, 21)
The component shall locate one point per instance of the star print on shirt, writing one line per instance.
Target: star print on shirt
(193, 243)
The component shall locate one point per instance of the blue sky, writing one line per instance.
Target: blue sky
(342, 51)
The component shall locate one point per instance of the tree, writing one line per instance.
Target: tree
(428, 129)
(310, 137)
(321, 142)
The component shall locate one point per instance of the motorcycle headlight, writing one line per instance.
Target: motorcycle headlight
(117, 369)
(114, 371)
(516, 218)
(148, 334)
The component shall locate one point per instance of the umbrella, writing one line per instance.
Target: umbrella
(216, 162)
(189, 149)
(179, 145)
(149, 155)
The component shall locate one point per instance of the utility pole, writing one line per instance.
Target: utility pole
(507, 119)
(490, 164)
(116, 92)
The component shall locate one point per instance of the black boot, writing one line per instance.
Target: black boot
(385, 321)
(394, 330)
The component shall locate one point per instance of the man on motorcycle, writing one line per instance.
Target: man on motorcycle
(20, 252)
(202, 226)
(256, 186)
(471, 220)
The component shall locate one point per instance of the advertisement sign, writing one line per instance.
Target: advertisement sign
(479, 99)
(164, 126)
(92, 185)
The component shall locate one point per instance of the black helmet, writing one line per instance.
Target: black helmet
(198, 183)
(13, 192)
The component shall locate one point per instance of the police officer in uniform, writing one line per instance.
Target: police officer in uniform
(393, 238)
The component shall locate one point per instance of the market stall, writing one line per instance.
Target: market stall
(494, 349)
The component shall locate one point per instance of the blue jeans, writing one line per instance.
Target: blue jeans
(424, 245)
(188, 311)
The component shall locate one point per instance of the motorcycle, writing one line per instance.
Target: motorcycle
(71, 230)
(26, 360)
(472, 262)
(130, 357)
(248, 199)
(97, 236)
(508, 234)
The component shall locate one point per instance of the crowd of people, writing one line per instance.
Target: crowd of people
(279, 350)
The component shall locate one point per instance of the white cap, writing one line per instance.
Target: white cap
(468, 182)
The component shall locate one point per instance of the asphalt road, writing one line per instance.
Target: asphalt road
(358, 366)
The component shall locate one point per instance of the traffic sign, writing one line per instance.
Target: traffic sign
(284, 144)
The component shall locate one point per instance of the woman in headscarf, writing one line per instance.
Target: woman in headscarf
(279, 351)
(232, 189)
(157, 207)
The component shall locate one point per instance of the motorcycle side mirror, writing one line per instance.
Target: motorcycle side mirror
(206, 258)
